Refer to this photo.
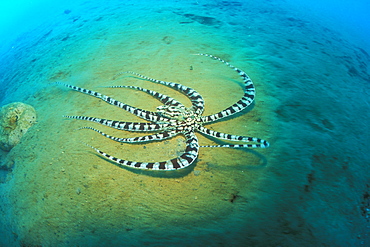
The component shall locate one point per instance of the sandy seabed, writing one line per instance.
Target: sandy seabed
(311, 187)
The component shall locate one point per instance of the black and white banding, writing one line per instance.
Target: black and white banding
(172, 119)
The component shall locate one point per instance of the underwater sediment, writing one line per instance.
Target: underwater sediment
(308, 188)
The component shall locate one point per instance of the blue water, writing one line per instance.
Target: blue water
(20, 15)
(345, 16)
(309, 62)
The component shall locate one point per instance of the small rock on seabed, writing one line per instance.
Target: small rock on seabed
(15, 119)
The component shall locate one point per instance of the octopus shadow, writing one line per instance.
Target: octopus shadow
(262, 158)
(155, 173)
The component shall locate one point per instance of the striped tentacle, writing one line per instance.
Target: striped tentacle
(147, 115)
(244, 102)
(130, 126)
(195, 98)
(260, 143)
(235, 146)
(184, 160)
(155, 137)
(165, 99)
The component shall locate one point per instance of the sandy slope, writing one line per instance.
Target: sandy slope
(311, 187)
